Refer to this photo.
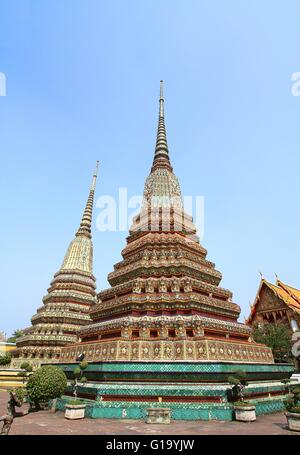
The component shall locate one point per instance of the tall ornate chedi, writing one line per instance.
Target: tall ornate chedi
(166, 331)
(165, 300)
(71, 295)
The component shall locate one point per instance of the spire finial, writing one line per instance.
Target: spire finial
(161, 156)
(162, 89)
(93, 187)
(86, 221)
(161, 99)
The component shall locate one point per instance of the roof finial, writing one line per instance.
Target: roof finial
(86, 221)
(261, 275)
(276, 276)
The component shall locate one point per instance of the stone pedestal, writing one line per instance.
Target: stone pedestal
(245, 413)
(293, 419)
(159, 415)
(74, 412)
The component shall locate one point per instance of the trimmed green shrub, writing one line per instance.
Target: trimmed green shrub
(46, 383)
(83, 365)
(292, 404)
(238, 382)
(75, 402)
(26, 366)
(78, 376)
(5, 359)
(20, 393)
(233, 380)
(77, 372)
(242, 403)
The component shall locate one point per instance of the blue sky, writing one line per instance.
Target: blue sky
(82, 84)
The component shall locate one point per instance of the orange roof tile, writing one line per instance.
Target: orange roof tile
(295, 293)
(285, 297)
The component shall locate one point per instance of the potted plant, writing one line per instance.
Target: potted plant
(244, 410)
(75, 409)
(292, 405)
(45, 384)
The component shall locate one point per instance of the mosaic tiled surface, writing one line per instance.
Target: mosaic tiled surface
(201, 350)
(179, 371)
(205, 367)
(129, 379)
(175, 390)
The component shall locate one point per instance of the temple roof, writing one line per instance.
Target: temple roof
(293, 292)
(289, 295)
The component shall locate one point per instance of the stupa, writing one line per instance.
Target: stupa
(166, 331)
(70, 296)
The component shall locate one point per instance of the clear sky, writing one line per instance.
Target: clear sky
(82, 83)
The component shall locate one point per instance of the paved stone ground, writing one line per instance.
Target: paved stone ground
(46, 423)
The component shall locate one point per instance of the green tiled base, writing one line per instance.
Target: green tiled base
(179, 371)
(179, 411)
(192, 390)
(146, 392)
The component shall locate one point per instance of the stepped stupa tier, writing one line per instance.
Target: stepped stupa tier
(71, 295)
(165, 302)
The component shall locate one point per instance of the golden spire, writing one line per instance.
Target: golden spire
(86, 221)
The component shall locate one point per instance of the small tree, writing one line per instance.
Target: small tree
(46, 383)
(277, 337)
(238, 382)
(79, 377)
